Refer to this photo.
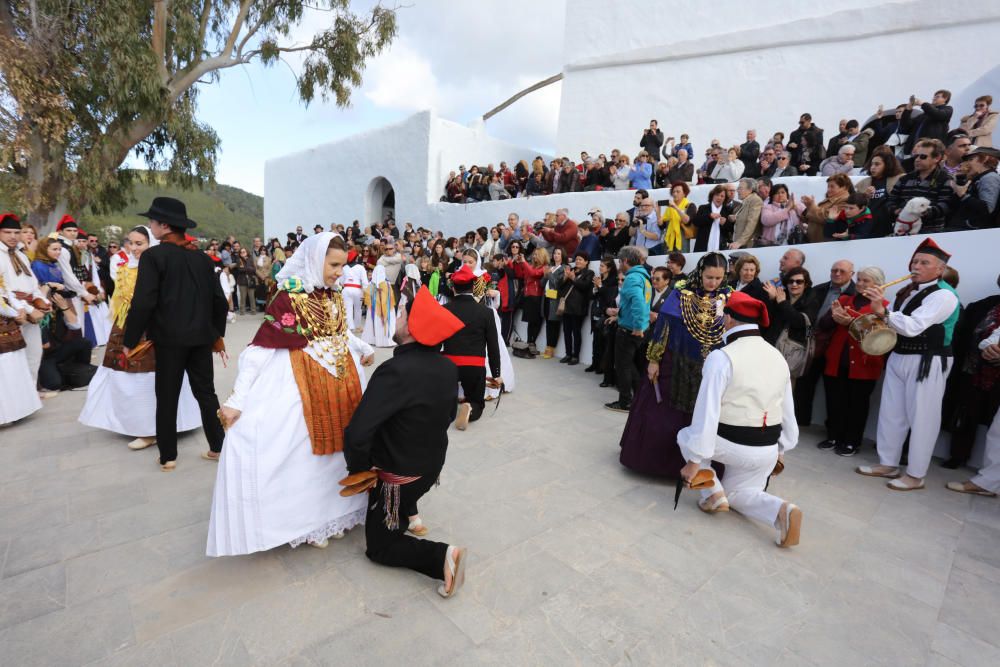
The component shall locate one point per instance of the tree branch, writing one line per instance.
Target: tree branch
(160, 38)
(234, 34)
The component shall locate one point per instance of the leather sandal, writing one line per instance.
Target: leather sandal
(211, 456)
(141, 443)
(970, 488)
(169, 466)
(417, 527)
(789, 526)
(900, 485)
(455, 562)
(878, 471)
(720, 504)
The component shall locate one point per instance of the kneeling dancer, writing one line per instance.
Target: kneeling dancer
(400, 431)
(744, 417)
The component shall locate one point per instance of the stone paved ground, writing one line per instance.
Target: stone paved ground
(573, 559)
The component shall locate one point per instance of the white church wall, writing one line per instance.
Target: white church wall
(843, 64)
(330, 183)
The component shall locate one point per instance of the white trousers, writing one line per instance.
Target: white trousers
(353, 298)
(747, 470)
(989, 475)
(910, 406)
(32, 335)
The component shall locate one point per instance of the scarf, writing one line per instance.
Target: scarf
(715, 233)
(672, 217)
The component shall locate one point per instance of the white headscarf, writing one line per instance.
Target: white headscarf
(479, 270)
(133, 261)
(306, 263)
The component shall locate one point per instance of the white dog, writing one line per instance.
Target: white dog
(908, 222)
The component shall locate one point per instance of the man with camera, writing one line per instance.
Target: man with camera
(652, 140)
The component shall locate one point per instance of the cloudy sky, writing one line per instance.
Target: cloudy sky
(459, 58)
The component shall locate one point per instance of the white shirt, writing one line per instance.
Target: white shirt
(700, 437)
(935, 309)
(14, 282)
(70, 280)
(992, 339)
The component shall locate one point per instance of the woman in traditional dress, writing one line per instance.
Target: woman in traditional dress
(121, 397)
(97, 318)
(688, 327)
(18, 394)
(380, 322)
(485, 291)
(299, 382)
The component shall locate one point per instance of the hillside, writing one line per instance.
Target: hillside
(219, 211)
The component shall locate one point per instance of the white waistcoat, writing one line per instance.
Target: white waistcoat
(756, 392)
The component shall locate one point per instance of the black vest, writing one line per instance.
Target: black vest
(81, 272)
(931, 340)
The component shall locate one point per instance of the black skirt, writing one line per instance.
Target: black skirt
(531, 309)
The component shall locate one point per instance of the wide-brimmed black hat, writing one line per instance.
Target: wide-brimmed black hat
(169, 211)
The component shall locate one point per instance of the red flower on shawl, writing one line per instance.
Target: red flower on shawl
(287, 319)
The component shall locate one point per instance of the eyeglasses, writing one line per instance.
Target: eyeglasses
(795, 282)
(921, 156)
(980, 106)
(839, 271)
(782, 157)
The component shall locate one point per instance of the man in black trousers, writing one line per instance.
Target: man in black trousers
(470, 347)
(400, 431)
(179, 305)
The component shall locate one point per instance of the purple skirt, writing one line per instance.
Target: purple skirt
(649, 441)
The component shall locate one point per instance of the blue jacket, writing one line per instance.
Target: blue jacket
(634, 299)
(591, 245)
(641, 176)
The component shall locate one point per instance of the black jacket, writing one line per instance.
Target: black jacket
(479, 334)
(754, 288)
(401, 424)
(577, 299)
(606, 297)
(703, 223)
(178, 299)
(933, 124)
(651, 143)
(798, 318)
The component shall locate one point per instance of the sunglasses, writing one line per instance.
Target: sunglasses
(796, 282)
(921, 156)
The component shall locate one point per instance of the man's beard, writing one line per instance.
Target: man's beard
(397, 338)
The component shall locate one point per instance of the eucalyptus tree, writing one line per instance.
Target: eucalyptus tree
(86, 83)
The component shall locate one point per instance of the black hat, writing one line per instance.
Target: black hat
(319, 227)
(169, 211)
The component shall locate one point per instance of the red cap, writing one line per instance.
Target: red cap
(9, 221)
(929, 247)
(67, 221)
(215, 258)
(190, 239)
(351, 256)
(430, 322)
(745, 308)
(464, 276)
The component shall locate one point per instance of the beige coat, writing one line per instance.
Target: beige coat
(747, 225)
(982, 135)
(816, 216)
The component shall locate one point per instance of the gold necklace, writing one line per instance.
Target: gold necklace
(703, 319)
(322, 313)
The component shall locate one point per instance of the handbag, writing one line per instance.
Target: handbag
(797, 355)
(561, 307)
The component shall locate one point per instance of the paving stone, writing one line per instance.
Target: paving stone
(32, 594)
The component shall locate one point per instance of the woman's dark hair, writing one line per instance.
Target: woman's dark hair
(892, 165)
(562, 256)
(718, 189)
(843, 180)
(337, 243)
(708, 260)
(451, 242)
(609, 262)
(779, 187)
(139, 229)
(799, 271)
(585, 256)
(681, 184)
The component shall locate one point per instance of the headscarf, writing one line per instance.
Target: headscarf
(694, 281)
(133, 261)
(305, 267)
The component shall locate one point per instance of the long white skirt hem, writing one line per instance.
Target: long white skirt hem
(125, 403)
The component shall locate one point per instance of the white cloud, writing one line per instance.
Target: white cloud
(401, 79)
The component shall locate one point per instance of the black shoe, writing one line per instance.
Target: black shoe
(617, 406)
(605, 385)
(827, 444)
(952, 464)
(565, 360)
(847, 449)
(573, 362)
(589, 369)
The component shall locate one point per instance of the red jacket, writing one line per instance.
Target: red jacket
(565, 236)
(862, 366)
(531, 276)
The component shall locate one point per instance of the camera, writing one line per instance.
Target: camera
(961, 179)
(66, 294)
